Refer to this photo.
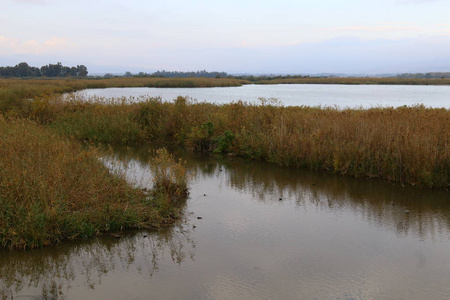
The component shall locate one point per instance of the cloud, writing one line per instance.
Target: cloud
(417, 1)
(387, 31)
(31, 1)
(9, 46)
(56, 42)
(382, 28)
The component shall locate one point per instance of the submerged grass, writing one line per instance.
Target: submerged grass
(170, 183)
(51, 189)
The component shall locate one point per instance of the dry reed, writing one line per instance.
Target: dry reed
(408, 144)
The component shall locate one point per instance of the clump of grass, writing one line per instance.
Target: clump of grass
(51, 189)
(170, 187)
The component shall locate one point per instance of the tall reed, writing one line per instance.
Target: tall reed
(408, 144)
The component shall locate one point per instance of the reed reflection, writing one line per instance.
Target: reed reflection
(403, 210)
(51, 272)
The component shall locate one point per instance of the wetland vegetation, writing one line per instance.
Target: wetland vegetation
(351, 80)
(52, 188)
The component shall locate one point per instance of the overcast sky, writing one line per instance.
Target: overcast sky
(235, 36)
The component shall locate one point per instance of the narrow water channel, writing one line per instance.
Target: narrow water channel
(255, 231)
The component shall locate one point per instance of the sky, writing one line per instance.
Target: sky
(234, 36)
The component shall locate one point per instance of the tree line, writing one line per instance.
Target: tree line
(50, 70)
(430, 75)
(177, 74)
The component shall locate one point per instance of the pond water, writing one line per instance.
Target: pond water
(329, 237)
(342, 96)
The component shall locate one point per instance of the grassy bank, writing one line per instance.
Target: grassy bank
(16, 93)
(409, 145)
(51, 189)
(78, 84)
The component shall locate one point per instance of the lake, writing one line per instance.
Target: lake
(255, 231)
(342, 96)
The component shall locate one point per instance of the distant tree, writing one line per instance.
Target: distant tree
(20, 70)
(431, 75)
(45, 71)
(82, 70)
(203, 73)
(35, 72)
(23, 69)
(59, 70)
(51, 70)
(56, 70)
(65, 71)
(73, 71)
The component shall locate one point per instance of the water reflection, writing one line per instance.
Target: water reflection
(402, 209)
(51, 272)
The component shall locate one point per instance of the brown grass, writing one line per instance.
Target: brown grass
(15, 94)
(51, 189)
